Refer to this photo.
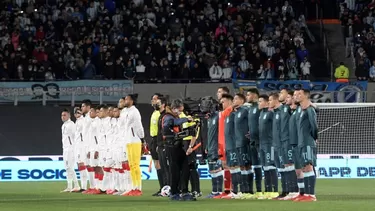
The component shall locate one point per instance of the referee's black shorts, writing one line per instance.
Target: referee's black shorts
(154, 153)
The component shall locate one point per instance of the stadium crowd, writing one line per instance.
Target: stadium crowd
(357, 20)
(153, 40)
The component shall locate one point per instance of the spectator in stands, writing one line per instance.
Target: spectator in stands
(361, 72)
(157, 39)
(342, 73)
(305, 67)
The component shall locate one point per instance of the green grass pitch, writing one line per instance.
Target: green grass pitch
(339, 194)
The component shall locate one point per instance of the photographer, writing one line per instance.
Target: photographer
(192, 129)
(178, 165)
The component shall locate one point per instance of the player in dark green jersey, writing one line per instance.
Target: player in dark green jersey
(214, 164)
(241, 128)
(266, 151)
(279, 127)
(293, 123)
(307, 136)
(290, 173)
(254, 112)
(230, 150)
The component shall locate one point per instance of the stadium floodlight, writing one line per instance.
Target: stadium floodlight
(346, 128)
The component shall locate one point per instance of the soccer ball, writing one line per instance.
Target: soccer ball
(166, 191)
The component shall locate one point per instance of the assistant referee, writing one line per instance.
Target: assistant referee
(153, 145)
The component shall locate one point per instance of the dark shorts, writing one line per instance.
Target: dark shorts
(254, 156)
(278, 158)
(288, 154)
(214, 165)
(308, 155)
(153, 146)
(232, 158)
(243, 156)
(267, 156)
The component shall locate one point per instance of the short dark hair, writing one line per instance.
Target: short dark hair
(157, 94)
(97, 107)
(290, 92)
(241, 96)
(66, 110)
(265, 97)
(134, 98)
(225, 89)
(306, 92)
(254, 91)
(163, 100)
(176, 103)
(87, 102)
(227, 96)
(274, 95)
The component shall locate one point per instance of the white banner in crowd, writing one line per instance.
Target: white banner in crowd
(51, 168)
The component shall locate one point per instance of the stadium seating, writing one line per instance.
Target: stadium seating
(177, 40)
(357, 21)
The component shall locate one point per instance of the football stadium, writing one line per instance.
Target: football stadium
(187, 104)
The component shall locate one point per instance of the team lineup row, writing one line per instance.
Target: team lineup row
(276, 133)
(106, 142)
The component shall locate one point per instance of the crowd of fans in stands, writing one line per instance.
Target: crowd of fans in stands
(153, 40)
(358, 23)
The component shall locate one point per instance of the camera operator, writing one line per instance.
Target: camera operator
(177, 159)
(189, 142)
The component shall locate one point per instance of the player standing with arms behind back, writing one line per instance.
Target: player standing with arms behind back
(68, 130)
(241, 128)
(291, 146)
(280, 135)
(254, 112)
(307, 136)
(80, 149)
(222, 116)
(266, 151)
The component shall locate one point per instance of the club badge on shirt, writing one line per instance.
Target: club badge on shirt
(277, 116)
(254, 111)
(285, 109)
(239, 115)
(265, 116)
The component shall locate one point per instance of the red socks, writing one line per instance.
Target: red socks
(126, 166)
(227, 180)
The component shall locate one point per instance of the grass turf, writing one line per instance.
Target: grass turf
(339, 194)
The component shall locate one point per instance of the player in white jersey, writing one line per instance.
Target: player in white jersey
(86, 108)
(109, 170)
(68, 130)
(93, 150)
(80, 151)
(104, 154)
(117, 153)
(134, 137)
(125, 178)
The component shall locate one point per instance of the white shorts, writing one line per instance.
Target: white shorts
(81, 155)
(109, 159)
(93, 162)
(68, 156)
